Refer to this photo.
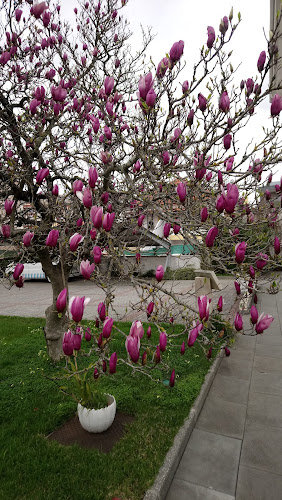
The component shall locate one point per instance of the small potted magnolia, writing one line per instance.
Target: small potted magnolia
(96, 410)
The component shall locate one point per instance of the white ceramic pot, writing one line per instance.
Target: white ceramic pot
(97, 420)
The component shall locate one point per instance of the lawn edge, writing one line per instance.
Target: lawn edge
(166, 473)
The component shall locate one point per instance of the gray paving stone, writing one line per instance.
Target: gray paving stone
(230, 389)
(256, 484)
(269, 340)
(222, 417)
(267, 383)
(238, 353)
(182, 490)
(265, 409)
(262, 448)
(244, 341)
(240, 368)
(267, 365)
(269, 351)
(211, 460)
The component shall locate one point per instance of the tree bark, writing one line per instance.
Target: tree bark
(56, 325)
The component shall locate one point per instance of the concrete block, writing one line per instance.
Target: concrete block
(258, 485)
(222, 417)
(262, 448)
(211, 460)
(265, 409)
(183, 490)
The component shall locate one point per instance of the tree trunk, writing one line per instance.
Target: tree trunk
(56, 325)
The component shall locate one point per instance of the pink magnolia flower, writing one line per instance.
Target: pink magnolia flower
(109, 83)
(240, 250)
(237, 287)
(8, 205)
(193, 333)
(185, 86)
(176, 228)
(172, 379)
(149, 332)
(136, 329)
(6, 231)
(61, 301)
(264, 321)
(97, 254)
(167, 227)
(204, 214)
(220, 304)
(74, 241)
(159, 273)
(276, 105)
(77, 337)
(227, 141)
(150, 308)
(254, 314)
(276, 245)
(86, 269)
(224, 102)
(238, 323)
(96, 215)
(102, 311)
(163, 341)
(252, 272)
(107, 327)
(181, 191)
(145, 83)
(227, 351)
(55, 190)
(17, 271)
(132, 345)
(166, 158)
(262, 260)
(92, 176)
(203, 305)
(202, 102)
(52, 238)
(212, 234)
(162, 67)
(68, 343)
(230, 198)
(87, 198)
(58, 93)
(108, 221)
(157, 354)
(38, 9)
(151, 98)
(76, 307)
(182, 350)
(42, 174)
(18, 14)
(77, 186)
(27, 237)
(176, 51)
(113, 363)
(211, 37)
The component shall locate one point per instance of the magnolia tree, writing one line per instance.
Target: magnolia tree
(94, 143)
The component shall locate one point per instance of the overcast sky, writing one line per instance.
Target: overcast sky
(187, 20)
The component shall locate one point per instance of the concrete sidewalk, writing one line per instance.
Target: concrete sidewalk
(35, 297)
(235, 449)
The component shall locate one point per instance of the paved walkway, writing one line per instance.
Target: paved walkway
(235, 449)
(35, 297)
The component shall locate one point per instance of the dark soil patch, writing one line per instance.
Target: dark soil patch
(72, 433)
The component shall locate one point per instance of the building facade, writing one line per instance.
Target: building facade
(276, 71)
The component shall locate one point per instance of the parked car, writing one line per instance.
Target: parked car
(34, 271)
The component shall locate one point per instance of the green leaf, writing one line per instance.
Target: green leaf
(239, 16)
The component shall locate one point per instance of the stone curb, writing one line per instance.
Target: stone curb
(166, 474)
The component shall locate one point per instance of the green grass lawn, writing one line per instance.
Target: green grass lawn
(34, 468)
